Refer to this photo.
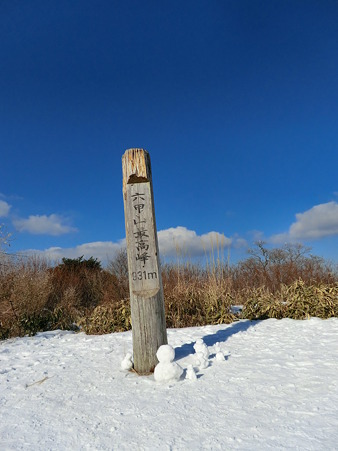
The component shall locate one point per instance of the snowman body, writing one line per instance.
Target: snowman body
(167, 370)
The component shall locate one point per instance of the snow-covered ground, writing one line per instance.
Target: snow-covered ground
(276, 389)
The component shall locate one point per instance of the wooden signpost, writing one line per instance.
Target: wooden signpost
(145, 282)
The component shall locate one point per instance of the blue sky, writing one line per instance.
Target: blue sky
(236, 102)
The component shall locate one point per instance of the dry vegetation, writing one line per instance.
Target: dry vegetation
(79, 294)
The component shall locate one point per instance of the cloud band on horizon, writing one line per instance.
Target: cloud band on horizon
(172, 242)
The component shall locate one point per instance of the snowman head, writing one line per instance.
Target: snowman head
(165, 353)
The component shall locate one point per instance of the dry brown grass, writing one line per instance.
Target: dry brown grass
(24, 289)
(297, 301)
(270, 284)
(194, 297)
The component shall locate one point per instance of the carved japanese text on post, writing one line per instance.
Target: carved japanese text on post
(144, 272)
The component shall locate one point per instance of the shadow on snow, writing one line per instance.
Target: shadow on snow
(219, 337)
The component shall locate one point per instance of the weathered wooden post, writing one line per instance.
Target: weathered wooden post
(145, 282)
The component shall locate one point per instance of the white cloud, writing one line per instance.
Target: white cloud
(318, 222)
(4, 209)
(102, 250)
(185, 241)
(43, 225)
(171, 241)
(240, 243)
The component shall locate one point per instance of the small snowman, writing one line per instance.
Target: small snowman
(201, 348)
(167, 370)
(190, 374)
(219, 354)
(202, 354)
(127, 362)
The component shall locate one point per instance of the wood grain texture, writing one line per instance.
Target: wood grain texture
(136, 166)
(145, 283)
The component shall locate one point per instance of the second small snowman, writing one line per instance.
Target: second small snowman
(202, 354)
(167, 370)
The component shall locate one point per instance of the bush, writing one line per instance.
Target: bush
(296, 301)
(106, 319)
(78, 264)
(77, 282)
(275, 267)
(24, 289)
(195, 297)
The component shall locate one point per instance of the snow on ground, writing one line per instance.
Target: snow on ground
(277, 388)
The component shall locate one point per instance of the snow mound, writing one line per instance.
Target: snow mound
(190, 374)
(127, 362)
